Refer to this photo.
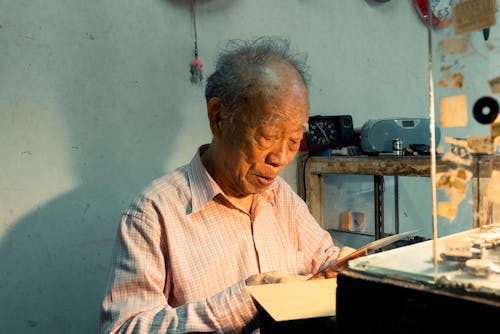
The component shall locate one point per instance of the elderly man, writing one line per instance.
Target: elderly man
(189, 245)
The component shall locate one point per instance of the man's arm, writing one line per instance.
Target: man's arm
(137, 296)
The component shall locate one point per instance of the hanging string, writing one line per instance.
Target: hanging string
(195, 65)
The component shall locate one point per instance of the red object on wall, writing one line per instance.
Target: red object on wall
(422, 8)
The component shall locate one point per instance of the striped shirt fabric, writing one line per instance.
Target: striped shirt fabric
(183, 251)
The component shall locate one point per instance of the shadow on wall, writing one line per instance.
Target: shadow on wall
(54, 261)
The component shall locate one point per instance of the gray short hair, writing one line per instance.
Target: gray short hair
(239, 68)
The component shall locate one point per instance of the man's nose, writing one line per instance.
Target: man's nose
(278, 156)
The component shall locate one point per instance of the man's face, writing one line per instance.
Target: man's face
(254, 151)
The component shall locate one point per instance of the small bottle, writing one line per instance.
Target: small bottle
(397, 147)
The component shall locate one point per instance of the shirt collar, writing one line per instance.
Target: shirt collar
(204, 188)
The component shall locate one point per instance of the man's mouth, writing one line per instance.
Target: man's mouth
(265, 181)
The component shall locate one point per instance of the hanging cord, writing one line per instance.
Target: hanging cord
(195, 65)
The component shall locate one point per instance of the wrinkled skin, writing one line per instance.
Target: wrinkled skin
(248, 153)
(249, 150)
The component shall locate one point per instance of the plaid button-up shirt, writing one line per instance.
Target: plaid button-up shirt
(183, 251)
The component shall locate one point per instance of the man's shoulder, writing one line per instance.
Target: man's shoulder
(173, 181)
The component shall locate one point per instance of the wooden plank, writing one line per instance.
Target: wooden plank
(391, 165)
(314, 193)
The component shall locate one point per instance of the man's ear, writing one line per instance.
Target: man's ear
(215, 110)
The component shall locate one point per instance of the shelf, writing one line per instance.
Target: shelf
(387, 165)
(311, 169)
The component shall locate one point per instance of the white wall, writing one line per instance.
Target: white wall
(95, 101)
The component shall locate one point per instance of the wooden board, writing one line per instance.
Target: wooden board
(297, 300)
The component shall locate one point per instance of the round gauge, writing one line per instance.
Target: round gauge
(441, 11)
(328, 132)
(321, 132)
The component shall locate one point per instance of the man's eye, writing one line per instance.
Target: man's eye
(266, 141)
(296, 139)
(294, 144)
(269, 138)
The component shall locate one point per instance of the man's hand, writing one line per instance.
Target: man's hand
(274, 277)
(333, 270)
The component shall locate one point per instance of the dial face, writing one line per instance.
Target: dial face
(441, 11)
(321, 132)
(329, 132)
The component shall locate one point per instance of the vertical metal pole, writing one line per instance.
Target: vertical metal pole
(378, 185)
(396, 204)
(432, 129)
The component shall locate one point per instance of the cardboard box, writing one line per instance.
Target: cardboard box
(353, 221)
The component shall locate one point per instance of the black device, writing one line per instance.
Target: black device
(327, 132)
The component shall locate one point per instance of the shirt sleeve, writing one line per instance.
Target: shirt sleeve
(136, 300)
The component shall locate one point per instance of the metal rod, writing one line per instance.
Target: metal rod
(378, 185)
(396, 204)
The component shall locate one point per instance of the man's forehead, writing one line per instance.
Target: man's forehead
(279, 119)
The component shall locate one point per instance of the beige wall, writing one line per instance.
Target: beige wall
(95, 101)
